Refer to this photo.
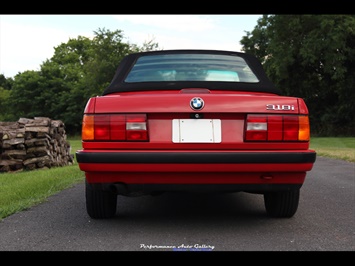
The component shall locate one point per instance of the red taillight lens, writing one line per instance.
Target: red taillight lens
(117, 127)
(291, 127)
(277, 128)
(102, 127)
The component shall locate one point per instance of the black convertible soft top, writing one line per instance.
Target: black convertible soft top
(118, 83)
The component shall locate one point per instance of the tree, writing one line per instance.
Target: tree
(5, 83)
(23, 98)
(4, 95)
(311, 56)
(78, 70)
(5, 87)
(106, 51)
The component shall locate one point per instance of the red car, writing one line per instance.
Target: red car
(198, 121)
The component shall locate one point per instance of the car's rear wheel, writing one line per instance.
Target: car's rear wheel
(100, 204)
(282, 204)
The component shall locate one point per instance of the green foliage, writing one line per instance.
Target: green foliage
(312, 57)
(78, 70)
(24, 95)
(4, 95)
(106, 51)
(5, 83)
(5, 88)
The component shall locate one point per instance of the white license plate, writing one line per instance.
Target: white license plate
(196, 130)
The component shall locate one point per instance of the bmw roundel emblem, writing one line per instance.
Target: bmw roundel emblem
(197, 103)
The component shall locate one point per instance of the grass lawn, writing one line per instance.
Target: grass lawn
(337, 148)
(21, 190)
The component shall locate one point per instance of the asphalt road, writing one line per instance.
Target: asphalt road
(325, 220)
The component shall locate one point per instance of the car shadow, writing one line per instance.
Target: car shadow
(191, 207)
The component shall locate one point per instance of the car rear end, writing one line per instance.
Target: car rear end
(195, 139)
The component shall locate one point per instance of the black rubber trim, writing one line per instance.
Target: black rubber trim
(195, 157)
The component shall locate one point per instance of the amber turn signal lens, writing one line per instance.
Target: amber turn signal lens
(87, 132)
(304, 129)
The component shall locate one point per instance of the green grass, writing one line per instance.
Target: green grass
(22, 190)
(19, 191)
(336, 148)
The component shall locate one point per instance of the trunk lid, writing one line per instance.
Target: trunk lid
(172, 123)
(179, 102)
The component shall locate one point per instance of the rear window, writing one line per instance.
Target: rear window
(190, 67)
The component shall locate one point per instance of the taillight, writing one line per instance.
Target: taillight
(256, 128)
(115, 127)
(136, 127)
(277, 128)
(87, 130)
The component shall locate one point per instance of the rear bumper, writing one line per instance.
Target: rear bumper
(193, 168)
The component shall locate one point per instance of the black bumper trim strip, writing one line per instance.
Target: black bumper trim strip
(195, 157)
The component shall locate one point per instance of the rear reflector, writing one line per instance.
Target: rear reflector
(115, 127)
(277, 128)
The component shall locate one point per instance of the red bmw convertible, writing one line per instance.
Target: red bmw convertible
(197, 121)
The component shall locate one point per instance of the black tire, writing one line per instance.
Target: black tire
(100, 204)
(282, 204)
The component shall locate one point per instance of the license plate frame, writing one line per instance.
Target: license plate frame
(196, 131)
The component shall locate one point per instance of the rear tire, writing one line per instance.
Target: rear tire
(282, 204)
(100, 204)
